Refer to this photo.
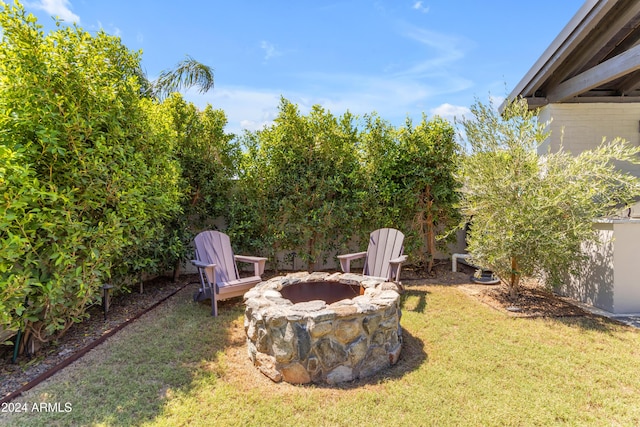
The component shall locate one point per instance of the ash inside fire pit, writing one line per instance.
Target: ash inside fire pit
(318, 327)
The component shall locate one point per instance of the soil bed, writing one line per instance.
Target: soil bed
(123, 308)
(533, 301)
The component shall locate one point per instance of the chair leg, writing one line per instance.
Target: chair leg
(201, 294)
(198, 295)
(214, 304)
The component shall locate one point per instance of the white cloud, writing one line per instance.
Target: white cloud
(270, 50)
(392, 99)
(114, 31)
(451, 112)
(442, 51)
(496, 101)
(420, 7)
(394, 95)
(59, 8)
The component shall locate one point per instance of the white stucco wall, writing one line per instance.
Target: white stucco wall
(594, 283)
(580, 127)
(626, 290)
(609, 280)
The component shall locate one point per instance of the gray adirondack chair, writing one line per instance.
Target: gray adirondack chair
(216, 264)
(383, 258)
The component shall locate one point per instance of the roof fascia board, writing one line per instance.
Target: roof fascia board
(578, 27)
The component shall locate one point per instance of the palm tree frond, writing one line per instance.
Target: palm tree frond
(186, 74)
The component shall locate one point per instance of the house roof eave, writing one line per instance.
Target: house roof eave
(587, 17)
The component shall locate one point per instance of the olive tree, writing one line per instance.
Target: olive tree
(529, 215)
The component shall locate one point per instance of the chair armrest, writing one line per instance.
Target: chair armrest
(399, 260)
(355, 255)
(394, 271)
(207, 272)
(258, 262)
(201, 264)
(345, 260)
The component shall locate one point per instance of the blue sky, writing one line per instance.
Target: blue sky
(399, 58)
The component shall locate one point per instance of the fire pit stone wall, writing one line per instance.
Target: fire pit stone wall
(312, 341)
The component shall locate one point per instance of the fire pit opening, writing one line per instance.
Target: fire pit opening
(328, 292)
(323, 328)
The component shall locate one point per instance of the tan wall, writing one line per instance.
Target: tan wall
(582, 126)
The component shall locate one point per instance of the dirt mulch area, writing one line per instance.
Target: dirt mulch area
(533, 302)
(124, 308)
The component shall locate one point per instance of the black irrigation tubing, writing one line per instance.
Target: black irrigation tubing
(77, 355)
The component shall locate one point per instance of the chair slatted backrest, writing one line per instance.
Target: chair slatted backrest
(214, 247)
(385, 244)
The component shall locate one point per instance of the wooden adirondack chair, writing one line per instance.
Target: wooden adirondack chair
(216, 264)
(383, 258)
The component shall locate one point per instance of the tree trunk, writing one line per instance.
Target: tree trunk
(274, 256)
(196, 197)
(311, 251)
(515, 279)
(430, 232)
(176, 270)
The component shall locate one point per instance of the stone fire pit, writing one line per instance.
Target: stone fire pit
(317, 327)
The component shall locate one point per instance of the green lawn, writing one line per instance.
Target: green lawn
(463, 363)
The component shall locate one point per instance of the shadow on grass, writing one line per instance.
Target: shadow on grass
(194, 342)
(414, 299)
(595, 323)
(188, 350)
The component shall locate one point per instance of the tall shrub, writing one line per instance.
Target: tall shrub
(250, 220)
(412, 185)
(306, 165)
(208, 157)
(85, 180)
(379, 153)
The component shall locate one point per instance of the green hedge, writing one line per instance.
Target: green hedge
(87, 174)
(309, 183)
(101, 183)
